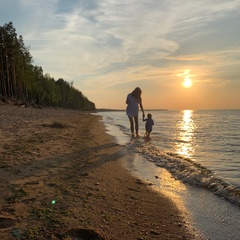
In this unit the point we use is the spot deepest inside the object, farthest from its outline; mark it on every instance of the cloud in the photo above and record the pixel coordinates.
(101, 44)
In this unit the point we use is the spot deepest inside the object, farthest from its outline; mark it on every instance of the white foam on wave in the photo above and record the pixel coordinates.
(186, 170)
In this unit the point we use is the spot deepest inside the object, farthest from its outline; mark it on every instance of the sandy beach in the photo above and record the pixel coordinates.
(62, 177)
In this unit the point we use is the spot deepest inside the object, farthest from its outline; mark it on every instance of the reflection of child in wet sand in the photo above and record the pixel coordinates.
(148, 125)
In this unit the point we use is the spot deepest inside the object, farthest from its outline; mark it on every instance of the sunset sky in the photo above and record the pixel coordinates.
(109, 47)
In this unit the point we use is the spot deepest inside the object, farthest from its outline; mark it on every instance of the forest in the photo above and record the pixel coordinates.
(21, 80)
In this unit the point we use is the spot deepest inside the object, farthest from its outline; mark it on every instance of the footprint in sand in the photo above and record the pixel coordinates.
(84, 234)
(6, 222)
(7, 210)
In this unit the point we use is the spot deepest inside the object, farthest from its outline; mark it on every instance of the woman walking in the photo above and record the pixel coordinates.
(133, 100)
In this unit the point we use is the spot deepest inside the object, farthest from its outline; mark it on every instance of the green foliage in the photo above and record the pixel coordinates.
(19, 79)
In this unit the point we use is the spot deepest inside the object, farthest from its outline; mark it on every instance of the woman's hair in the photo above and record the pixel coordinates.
(137, 93)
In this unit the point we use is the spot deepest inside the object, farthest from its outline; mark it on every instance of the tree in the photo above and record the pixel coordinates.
(21, 80)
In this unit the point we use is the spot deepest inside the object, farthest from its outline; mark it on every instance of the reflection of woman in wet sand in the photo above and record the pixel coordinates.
(133, 100)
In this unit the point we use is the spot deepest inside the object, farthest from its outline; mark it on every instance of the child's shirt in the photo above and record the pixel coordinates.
(149, 124)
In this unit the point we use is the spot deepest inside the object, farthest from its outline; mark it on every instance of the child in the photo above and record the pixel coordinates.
(148, 125)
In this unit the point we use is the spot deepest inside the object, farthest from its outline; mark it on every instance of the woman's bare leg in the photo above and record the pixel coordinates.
(136, 125)
(131, 125)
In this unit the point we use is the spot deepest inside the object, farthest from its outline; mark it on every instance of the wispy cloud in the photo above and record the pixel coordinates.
(104, 43)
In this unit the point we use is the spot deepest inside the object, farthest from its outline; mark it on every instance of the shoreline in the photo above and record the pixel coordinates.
(213, 216)
(62, 176)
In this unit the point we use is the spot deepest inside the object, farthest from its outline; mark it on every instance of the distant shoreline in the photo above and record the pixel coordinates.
(162, 109)
(122, 110)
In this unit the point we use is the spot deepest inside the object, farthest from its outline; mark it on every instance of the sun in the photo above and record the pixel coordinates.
(187, 82)
(186, 75)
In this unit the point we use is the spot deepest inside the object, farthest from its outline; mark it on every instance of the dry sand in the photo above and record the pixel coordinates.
(61, 177)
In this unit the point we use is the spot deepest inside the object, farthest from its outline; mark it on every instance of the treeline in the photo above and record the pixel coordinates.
(21, 80)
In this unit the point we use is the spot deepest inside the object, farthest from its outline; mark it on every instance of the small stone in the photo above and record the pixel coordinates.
(154, 232)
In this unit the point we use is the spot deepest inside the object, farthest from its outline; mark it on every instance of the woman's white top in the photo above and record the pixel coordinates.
(132, 105)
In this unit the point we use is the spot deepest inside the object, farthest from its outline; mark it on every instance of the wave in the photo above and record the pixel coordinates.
(186, 170)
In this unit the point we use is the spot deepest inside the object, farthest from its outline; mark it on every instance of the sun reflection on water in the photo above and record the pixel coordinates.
(185, 145)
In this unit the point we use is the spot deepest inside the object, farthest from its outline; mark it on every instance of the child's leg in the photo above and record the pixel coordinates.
(147, 134)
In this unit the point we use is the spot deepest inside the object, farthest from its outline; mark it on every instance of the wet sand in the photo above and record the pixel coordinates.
(63, 177)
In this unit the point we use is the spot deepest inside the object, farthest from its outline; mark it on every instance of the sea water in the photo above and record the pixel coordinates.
(200, 149)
